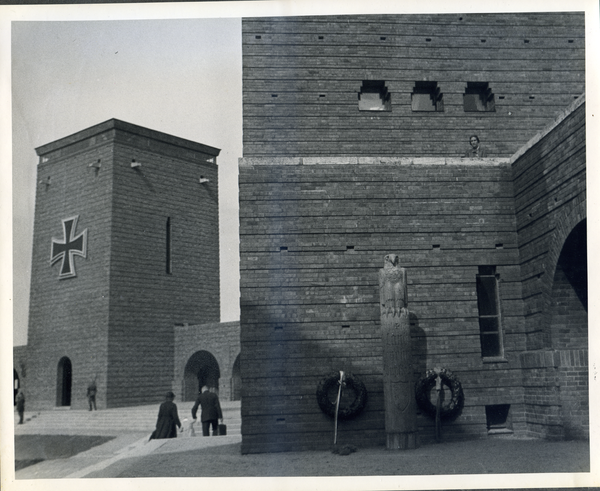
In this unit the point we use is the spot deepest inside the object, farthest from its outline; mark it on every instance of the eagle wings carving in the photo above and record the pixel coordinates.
(392, 286)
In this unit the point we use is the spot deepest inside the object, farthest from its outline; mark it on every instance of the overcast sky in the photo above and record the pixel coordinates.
(182, 77)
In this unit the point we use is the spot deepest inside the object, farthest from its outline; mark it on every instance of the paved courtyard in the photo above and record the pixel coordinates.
(125, 455)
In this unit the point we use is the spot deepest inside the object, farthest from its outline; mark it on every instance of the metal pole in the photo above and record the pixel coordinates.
(438, 407)
(337, 406)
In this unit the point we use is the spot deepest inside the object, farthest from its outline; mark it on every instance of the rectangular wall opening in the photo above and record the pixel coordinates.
(374, 96)
(169, 264)
(498, 419)
(488, 304)
(478, 97)
(426, 96)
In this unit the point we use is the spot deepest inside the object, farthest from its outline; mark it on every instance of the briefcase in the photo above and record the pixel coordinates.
(222, 429)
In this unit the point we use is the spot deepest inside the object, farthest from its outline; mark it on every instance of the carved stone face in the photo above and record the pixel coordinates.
(391, 259)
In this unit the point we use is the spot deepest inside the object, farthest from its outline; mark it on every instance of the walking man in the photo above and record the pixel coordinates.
(21, 405)
(91, 395)
(211, 411)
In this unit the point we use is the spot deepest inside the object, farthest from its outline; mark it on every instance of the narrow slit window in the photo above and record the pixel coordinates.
(478, 97)
(488, 303)
(426, 96)
(374, 96)
(169, 264)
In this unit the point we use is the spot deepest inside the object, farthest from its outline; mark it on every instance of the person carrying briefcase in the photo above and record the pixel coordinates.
(211, 412)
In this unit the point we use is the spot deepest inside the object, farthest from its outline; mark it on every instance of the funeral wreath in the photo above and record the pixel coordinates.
(449, 410)
(330, 385)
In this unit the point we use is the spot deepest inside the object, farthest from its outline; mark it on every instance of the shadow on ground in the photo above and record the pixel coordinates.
(31, 449)
(466, 457)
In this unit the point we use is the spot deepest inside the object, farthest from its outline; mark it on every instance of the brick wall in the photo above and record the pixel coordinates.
(313, 234)
(569, 324)
(220, 339)
(573, 378)
(302, 77)
(318, 213)
(69, 317)
(146, 301)
(114, 320)
(541, 385)
(550, 194)
(550, 200)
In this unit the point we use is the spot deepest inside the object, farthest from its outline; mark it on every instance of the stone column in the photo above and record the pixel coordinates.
(398, 387)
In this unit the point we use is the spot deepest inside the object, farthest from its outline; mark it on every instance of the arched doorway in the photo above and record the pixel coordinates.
(569, 333)
(64, 378)
(236, 380)
(569, 292)
(201, 369)
(16, 385)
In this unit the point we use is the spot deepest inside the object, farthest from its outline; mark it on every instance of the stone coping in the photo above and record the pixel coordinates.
(118, 125)
(326, 160)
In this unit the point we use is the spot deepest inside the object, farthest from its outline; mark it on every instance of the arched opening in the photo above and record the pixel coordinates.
(201, 369)
(569, 332)
(569, 292)
(236, 380)
(16, 386)
(64, 379)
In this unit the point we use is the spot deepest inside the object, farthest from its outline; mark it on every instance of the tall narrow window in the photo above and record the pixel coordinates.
(374, 96)
(169, 266)
(488, 302)
(426, 96)
(478, 97)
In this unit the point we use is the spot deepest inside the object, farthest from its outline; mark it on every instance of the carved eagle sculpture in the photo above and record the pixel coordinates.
(392, 286)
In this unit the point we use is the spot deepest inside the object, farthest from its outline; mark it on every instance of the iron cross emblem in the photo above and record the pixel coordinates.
(68, 248)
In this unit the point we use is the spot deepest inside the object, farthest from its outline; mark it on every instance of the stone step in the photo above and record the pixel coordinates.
(117, 420)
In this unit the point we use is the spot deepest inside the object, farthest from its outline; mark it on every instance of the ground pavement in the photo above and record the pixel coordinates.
(129, 454)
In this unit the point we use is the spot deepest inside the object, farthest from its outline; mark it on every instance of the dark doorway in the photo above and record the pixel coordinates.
(568, 309)
(573, 261)
(201, 369)
(16, 386)
(64, 379)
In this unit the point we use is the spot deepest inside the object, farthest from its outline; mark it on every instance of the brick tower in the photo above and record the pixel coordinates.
(125, 246)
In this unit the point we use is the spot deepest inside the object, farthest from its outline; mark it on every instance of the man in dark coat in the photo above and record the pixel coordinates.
(91, 394)
(168, 419)
(21, 405)
(211, 411)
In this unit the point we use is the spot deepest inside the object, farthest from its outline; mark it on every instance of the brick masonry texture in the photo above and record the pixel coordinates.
(221, 340)
(550, 200)
(115, 319)
(302, 77)
(326, 192)
(312, 308)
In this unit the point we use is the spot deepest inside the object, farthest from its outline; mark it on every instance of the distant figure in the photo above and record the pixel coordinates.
(21, 405)
(211, 411)
(91, 395)
(168, 420)
(475, 151)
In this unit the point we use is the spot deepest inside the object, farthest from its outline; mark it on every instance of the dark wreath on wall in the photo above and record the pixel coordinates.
(330, 383)
(450, 410)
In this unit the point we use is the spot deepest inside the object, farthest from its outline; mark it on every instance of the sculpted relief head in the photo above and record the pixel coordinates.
(390, 261)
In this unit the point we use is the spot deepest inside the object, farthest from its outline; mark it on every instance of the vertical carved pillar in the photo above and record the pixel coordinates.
(398, 387)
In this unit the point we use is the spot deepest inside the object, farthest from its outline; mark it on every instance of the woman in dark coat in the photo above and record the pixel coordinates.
(168, 419)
